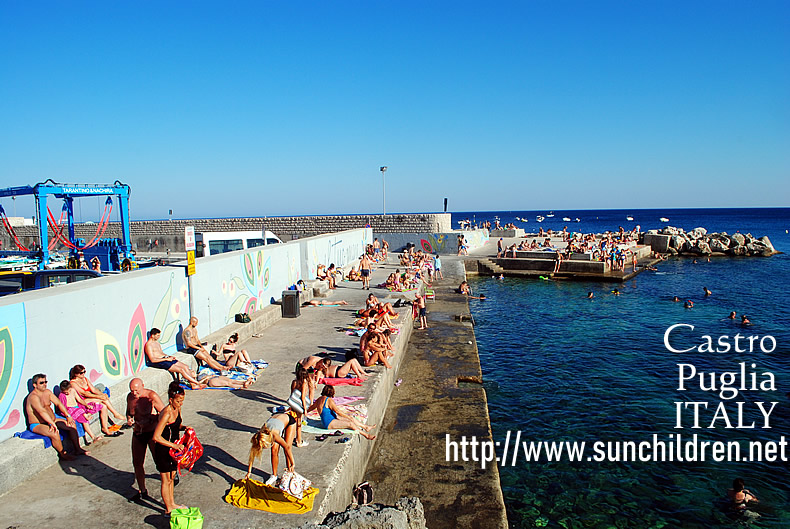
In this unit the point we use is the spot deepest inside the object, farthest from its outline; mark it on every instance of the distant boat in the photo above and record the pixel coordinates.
(629, 218)
(578, 219)
(566, 219)
(540, 219)
(664, 219)
(551, 214)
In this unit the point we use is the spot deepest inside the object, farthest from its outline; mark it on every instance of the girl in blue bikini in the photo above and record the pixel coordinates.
(333, 418)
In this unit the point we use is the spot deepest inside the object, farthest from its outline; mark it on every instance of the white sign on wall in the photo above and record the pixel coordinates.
(189, 238)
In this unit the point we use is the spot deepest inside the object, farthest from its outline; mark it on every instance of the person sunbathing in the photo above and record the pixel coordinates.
(214, 380)
(373, 351)
(333, 418)
(231, 358)
(351, 368)
(324, 303)
(155, 357)
(77, 408)
(42, 421)
(97, 400)
(353, 275)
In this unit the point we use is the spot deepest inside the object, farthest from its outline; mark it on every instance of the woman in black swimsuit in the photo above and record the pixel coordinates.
(166, 433)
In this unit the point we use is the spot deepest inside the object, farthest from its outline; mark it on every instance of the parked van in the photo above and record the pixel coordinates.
(217, 242)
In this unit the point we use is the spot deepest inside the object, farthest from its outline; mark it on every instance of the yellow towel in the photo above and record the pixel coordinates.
(251, 494)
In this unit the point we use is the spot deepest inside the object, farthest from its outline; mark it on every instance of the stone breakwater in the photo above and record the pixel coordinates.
(698, 242)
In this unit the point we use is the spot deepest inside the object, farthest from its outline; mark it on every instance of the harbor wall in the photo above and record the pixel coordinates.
(160, 235)
(103, 323)
(445, 243)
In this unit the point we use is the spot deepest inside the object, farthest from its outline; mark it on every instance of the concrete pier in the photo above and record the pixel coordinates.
(441, 394)
(66, 492)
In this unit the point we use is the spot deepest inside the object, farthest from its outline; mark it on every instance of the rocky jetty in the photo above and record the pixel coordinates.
(699, 242)
(407, 513)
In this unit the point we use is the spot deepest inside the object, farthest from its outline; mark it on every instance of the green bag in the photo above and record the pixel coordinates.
(190, 518)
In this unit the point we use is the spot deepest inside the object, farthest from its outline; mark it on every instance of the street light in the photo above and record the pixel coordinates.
(383, 170)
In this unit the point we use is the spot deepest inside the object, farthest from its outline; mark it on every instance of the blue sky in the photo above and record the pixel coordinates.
(253, 108)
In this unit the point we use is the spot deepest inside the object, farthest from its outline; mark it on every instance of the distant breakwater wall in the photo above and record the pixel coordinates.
(164, 234)
(698, 242)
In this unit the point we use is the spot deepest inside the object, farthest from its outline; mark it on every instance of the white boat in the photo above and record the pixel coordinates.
(540, 219)
(664, 219)
(551, 214)
(566, 219)
(578, 219)
(629, 218)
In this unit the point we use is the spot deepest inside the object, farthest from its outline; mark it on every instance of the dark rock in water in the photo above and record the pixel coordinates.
(701, 248)
(673, 251)
(739, 250)
(407, 513)
(767, 242)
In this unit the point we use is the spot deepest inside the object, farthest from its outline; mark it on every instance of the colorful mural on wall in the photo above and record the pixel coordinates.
(112, 316)
(13, 349)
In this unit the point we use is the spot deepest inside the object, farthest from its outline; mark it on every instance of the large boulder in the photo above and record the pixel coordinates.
(737, 239)
(698, 232)
(718, 245)
(701, 248)
(767, 242)
(670, 230)
(739, 250)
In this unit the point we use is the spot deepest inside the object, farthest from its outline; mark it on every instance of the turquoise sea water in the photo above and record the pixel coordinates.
(561, 367)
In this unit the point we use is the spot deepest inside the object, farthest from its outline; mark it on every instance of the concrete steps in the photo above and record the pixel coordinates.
(491, 266)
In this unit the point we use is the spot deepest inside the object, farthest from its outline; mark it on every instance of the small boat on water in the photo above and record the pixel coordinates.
(551, 214)
(664, 219)
(629, 217)
(540, 218)
(578, 219)
(566, 219)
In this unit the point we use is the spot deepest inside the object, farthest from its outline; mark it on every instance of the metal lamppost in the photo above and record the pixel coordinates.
(383, 170)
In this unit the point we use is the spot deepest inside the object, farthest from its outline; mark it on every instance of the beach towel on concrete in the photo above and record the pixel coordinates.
(252, 494)
(341, 381)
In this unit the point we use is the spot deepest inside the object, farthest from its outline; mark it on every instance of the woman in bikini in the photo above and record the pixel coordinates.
(95, 400)
(165, 436)
(230, 357)
(351, 365)
(333, 418)
(275, 433)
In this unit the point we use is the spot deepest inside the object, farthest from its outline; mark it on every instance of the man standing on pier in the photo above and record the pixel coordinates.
(142, 413)
(364, 269)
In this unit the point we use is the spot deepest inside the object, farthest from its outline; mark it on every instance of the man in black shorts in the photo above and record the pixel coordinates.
(142, 413)
(195, 347)
(155, 357)
(364, 270)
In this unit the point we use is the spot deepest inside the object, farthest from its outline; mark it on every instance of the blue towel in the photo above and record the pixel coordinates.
(27, 434)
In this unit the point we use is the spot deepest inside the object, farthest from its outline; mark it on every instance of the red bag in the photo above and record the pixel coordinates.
(191, 453)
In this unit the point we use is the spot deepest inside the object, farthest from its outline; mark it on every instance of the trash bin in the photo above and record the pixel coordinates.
(290, 303)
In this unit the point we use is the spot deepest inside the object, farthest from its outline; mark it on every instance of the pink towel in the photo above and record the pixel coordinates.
(341, 381)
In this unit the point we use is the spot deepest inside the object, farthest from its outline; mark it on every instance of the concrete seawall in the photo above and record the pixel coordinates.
(170, 233)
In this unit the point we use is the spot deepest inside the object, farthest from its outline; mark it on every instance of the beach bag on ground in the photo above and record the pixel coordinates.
(242, 317)
(191, 453)
(189, 518)
(294, 484)
(363, 493)
(295, 401)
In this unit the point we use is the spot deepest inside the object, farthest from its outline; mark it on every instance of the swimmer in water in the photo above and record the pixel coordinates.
(739, 495)
(745, 320)
(616, 292)
(732, 315)
(689, 304)
(501, 276)
(707, 292)
(590, 295)
(675, 299)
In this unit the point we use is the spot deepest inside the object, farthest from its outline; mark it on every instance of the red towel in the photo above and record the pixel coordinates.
(341, 381)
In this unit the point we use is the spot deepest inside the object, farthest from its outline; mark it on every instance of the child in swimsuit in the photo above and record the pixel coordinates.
(79, 410)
